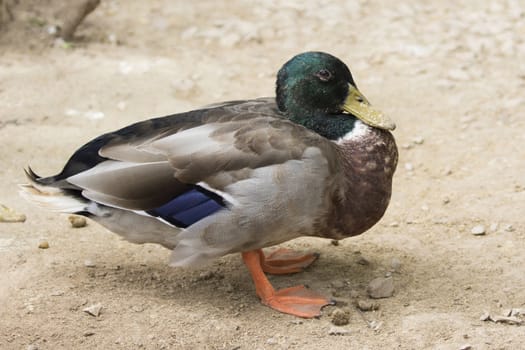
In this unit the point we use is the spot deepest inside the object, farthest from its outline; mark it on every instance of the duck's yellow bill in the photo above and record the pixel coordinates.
(358, 105)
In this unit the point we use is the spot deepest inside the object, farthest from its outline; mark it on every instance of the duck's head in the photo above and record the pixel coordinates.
(317, 90)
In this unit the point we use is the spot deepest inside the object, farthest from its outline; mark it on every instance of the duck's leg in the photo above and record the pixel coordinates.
(297, 301)
(284, 261)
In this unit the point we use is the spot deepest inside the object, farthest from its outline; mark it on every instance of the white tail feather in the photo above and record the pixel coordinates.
(52, 198)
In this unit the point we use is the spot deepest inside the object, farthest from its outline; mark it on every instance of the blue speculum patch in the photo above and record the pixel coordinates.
(189, 207)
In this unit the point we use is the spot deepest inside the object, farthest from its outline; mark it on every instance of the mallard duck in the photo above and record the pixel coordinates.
(316, 160)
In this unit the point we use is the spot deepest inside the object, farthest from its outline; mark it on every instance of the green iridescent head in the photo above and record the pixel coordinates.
(317, 90)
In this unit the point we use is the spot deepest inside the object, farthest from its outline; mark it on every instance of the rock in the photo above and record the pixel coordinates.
(381, 287)
(509, 228)
(375, 325)
(88, 333)
(94, 115)
(77, 221)
(465, 347)
(71, 112)
(507, 319)
(43, 244)
(478, 230)
(9, 215)
(409, 166)
(493, 227)
(89, 263)
(447, 171)
(418, 140)
(363, 261)
(341, 317)
(338, 331)
(367, 305)
(93, 310)
(511, 320)
(32, 347)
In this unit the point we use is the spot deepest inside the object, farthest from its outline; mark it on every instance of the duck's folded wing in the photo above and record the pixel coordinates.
(147, 173)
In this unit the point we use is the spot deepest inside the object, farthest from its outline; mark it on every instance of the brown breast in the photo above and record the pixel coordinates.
(360, 191)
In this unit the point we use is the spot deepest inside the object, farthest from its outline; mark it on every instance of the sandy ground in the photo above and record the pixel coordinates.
(451, 74)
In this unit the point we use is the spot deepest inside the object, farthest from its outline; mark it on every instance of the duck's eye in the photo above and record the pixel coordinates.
(324, 75)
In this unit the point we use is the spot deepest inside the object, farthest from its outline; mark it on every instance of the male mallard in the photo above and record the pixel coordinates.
(317, 160)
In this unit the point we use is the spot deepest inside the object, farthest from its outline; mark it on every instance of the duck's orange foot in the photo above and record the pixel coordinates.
(297, 301)
(284, 261)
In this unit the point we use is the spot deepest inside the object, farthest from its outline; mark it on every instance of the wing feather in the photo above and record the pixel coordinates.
(147, 164)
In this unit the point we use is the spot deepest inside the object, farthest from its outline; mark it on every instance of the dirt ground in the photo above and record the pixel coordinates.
(452, 76)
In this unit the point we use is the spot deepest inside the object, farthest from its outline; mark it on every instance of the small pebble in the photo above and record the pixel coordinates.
(43, 245)
(478, 230)
(418, 140)
(494, 227)
(509, 228)
(375, 325)
(88, 333)
(89, 263)
(409, 166)
(338, 331)
(465, 347)
(9, 215)
(93, 310)
(367, 305)
(447, 171)
(381, 287)
(363, 261)
(485, 316)
(507, 319)
(77, 221)
(94, 115)
(340, 317)
(445, 200)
